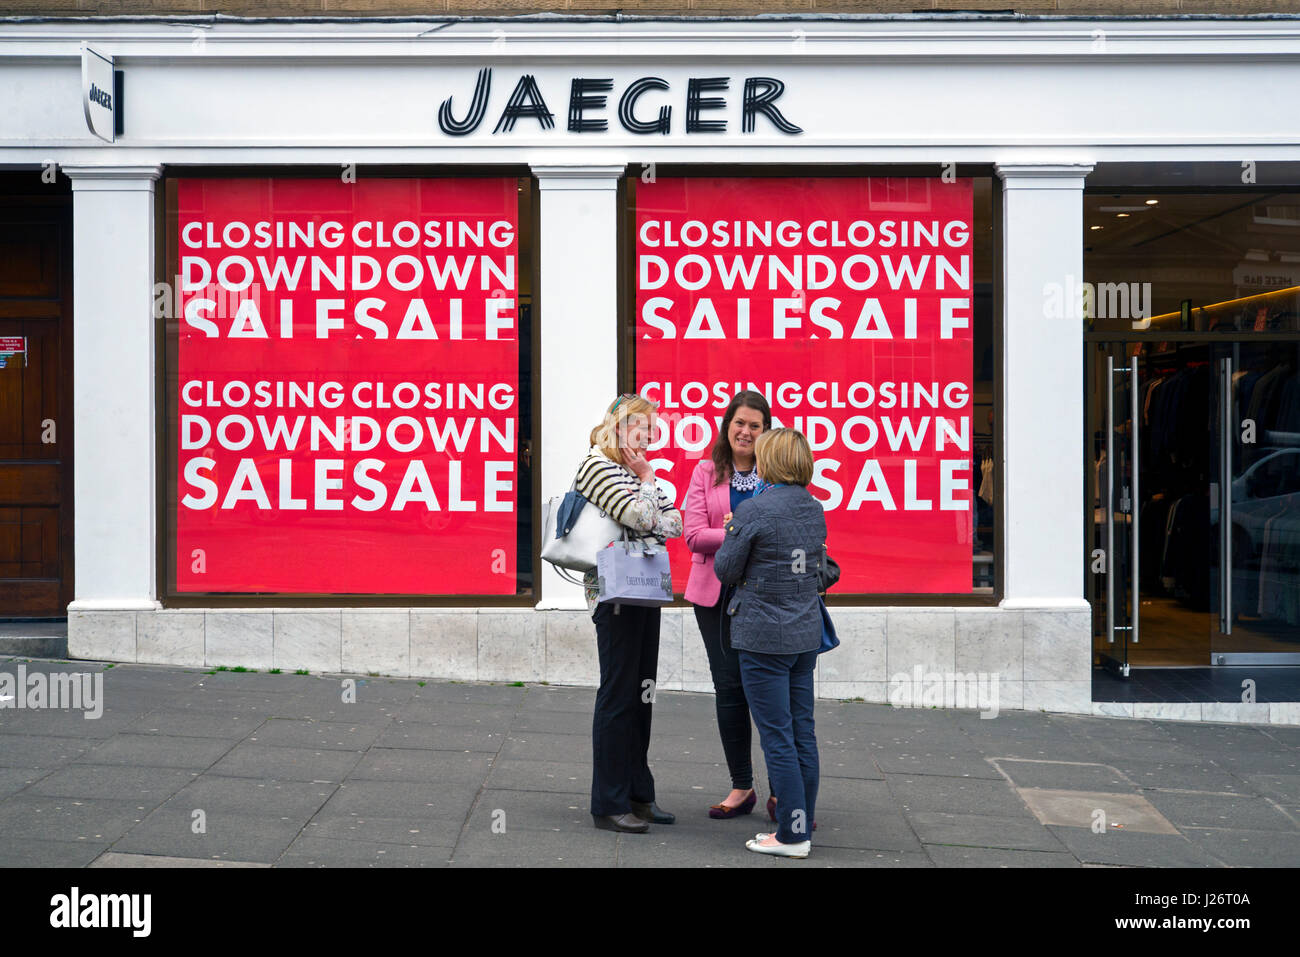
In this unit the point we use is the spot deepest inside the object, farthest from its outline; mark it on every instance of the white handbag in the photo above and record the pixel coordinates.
(574, 531)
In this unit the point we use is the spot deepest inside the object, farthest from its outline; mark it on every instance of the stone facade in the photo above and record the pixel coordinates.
(507, 8)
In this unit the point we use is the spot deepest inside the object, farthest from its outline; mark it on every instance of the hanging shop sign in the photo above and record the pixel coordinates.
(347, 401)
(699, 107)
(847, 302)
(98, 99)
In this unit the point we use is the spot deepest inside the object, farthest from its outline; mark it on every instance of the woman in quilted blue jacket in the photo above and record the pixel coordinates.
(774, 551)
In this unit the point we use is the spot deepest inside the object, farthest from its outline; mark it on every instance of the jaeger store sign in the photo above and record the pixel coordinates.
(589, 103)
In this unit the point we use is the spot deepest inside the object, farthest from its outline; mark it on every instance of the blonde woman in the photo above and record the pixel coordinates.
(773, 553)
(616, 478)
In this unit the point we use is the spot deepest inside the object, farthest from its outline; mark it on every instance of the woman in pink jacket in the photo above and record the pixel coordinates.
(718, 484)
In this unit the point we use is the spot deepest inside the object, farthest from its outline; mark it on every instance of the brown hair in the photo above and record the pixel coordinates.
(783, 455)
(749, 399)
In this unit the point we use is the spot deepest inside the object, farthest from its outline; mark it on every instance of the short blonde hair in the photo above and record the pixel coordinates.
(606, 435)
(784, 456)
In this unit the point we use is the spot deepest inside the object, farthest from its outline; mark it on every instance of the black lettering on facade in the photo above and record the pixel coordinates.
(695, 102)
(477, 107)
(526, 100)
(763, 101)
(627, 102)
(581, 98)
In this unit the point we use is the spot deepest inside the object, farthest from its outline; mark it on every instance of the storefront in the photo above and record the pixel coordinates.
(347, 297)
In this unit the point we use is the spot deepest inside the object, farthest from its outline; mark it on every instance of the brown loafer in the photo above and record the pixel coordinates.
(625, 823)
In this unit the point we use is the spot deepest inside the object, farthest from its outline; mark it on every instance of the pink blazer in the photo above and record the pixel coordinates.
(702, 516)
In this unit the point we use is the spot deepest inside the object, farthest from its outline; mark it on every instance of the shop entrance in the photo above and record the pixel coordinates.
(1194, 499)
(35, 398)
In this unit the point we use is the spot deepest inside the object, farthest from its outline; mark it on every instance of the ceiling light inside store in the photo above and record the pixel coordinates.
(1123, 215)
(1152, 202)
(1096, 227)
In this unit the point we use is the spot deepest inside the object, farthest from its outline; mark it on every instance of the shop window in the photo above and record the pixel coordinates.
(861, 307)
(347, 386)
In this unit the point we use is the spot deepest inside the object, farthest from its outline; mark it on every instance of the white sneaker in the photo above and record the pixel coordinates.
(800, 849)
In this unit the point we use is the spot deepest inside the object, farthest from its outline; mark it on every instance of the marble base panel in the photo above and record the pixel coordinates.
(972, 658)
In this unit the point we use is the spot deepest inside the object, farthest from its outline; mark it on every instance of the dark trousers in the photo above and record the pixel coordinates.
(780, 692)
(628, 645)
(728, 692)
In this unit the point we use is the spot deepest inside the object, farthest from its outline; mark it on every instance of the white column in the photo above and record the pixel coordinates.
(1042, 385)
(113, 387)
(578, 299)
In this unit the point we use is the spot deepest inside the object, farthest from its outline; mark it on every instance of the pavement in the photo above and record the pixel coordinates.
(187, 767)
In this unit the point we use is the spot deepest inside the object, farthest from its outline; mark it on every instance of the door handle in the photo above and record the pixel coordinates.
(1133, 521)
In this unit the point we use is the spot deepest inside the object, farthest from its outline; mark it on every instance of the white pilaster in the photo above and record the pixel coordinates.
(578, 299)
(1042, 385)
(113, 386)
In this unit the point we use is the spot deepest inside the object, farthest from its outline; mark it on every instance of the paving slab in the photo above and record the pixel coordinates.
(852, 794)
(954, 795)
(844, 763)
(1281, 787)
(1187, 809)
(461, 693)
(543, 746)
(577, 722)
(159, 751)
(114, 782)
(311, 851)
(34, 751)
(970, 764)
(1186, 777)
(400, 799)
(417, 735)
(1133, 849)
(487, 717)
(956, 855)
(30, 817)
(521, 848)
(68, 723)
(304, 733)
(178, 723)
(250, 759)
(1065, 774)
(141, 861)
(49, 853)
(540, 811)
(228, 836)
(1113, 811)
(377, 829)
(519, 775)
(415, 765)
(1014, 833)
(482, 774)
(1239, 847)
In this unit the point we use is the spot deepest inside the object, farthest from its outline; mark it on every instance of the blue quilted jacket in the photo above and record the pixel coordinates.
(773, 552)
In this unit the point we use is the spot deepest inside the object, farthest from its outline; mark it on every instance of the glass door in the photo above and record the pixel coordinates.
(1150, 551)
(1255, 509)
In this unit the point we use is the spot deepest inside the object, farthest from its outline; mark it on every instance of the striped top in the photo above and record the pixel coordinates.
(647, 512)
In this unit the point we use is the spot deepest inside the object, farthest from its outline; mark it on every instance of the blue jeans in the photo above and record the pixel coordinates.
(780, 693)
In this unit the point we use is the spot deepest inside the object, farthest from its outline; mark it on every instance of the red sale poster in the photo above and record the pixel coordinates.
(348, 406)
(847, 302)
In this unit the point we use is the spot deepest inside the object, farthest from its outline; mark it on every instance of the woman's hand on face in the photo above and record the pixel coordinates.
(638, 464)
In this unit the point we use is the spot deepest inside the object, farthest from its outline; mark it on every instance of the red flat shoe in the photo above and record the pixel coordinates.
(720, 812)
(771, 810)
